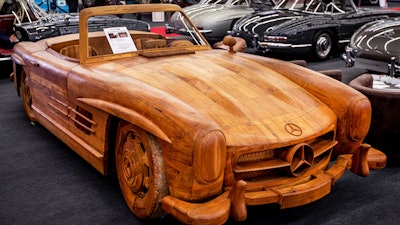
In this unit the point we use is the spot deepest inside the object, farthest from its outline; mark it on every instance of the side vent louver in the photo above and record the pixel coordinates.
(83, 120)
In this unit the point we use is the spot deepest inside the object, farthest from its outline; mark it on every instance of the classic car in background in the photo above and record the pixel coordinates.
(214, 18)
(34, 24)
(195, 132)
(376, 47)
(314, 27)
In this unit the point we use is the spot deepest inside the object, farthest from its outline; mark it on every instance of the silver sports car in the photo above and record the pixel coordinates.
(215, 17)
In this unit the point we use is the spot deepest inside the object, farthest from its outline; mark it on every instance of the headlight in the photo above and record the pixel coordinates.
(359, 119)
(209, 157)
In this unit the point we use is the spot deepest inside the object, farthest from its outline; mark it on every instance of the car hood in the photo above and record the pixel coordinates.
(278, 22)
(207, 13)
(258, 101)
(378, 40)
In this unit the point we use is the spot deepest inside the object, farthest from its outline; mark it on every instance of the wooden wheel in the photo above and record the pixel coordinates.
(141, 172)
(27, 97)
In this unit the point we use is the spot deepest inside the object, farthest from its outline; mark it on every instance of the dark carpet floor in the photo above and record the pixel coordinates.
(43, 182)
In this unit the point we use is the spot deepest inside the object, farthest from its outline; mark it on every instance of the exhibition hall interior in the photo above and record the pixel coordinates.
(149, 112)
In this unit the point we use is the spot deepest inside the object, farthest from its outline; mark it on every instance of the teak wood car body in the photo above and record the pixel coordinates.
(195, 132)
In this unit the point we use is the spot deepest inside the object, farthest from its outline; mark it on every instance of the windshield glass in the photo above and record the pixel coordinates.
(213, 1)
(303, 5)
(227, 2)
(317, 6)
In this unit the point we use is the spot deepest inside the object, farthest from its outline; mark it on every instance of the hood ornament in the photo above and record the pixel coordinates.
(293, 129)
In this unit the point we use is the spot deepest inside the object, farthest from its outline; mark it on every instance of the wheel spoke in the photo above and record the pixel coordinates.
(146, 182)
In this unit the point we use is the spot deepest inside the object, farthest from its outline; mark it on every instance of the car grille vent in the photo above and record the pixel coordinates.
(83, 120)
(283, 163)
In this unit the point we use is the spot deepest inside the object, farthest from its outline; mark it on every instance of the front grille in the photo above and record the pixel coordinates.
(286, 162)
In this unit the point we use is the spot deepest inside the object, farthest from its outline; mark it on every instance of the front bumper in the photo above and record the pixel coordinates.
(235, 200)
(274, 45)
(371, 62)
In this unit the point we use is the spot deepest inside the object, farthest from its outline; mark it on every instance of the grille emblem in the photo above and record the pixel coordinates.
(293, 129)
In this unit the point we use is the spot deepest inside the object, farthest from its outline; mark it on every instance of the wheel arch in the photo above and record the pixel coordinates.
(335, 37)
(128, 115)
(120, 113)
(18, 64)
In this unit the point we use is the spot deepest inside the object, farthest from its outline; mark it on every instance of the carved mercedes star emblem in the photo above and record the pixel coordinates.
(293, 129)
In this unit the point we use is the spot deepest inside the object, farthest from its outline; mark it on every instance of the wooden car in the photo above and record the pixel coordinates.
(195, 132)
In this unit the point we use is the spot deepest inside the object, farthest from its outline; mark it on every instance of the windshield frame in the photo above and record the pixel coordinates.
(84, 35)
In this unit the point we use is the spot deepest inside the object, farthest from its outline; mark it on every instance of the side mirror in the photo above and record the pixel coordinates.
(233, 44)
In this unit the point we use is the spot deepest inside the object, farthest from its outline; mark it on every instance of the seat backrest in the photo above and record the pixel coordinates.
(148, 43)
(73, 51)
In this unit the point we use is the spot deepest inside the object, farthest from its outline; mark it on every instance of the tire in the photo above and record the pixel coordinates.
(141, 171)
(27, 97)
(322, 45)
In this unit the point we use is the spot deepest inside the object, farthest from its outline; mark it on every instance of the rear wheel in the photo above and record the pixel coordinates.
(141, 171)
(322, 45)
(26, 96)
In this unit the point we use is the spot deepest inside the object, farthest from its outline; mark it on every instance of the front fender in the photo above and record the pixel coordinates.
(128, 115)
(352, 108)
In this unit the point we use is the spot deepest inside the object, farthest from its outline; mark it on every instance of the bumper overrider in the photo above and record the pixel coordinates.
(234, 200)
(349, 56)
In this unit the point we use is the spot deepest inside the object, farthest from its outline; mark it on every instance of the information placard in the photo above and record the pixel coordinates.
(120, 40)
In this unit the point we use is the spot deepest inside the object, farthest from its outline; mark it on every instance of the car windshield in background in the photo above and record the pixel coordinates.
(298, 4)
(185, 31)
(213, 1)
